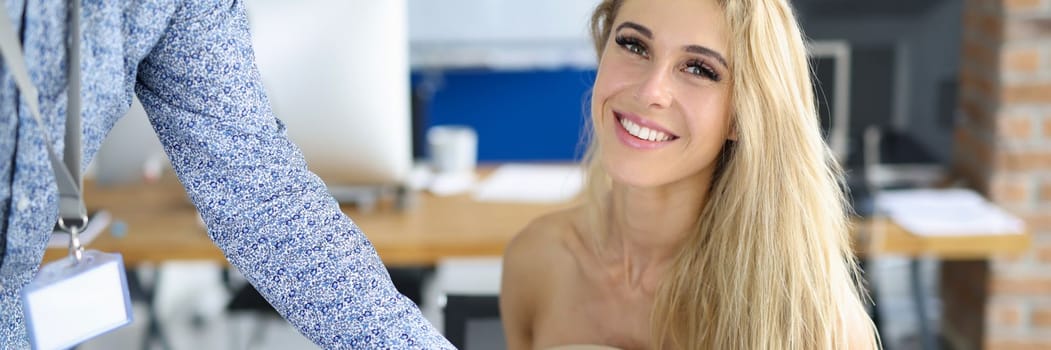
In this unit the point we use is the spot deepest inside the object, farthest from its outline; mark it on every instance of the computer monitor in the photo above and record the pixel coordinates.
(131, 152)
(337, 74)
(830, 69)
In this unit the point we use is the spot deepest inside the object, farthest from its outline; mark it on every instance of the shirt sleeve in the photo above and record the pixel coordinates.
(271, 216)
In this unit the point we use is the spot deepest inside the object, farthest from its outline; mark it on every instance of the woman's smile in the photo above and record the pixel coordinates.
(636, 132)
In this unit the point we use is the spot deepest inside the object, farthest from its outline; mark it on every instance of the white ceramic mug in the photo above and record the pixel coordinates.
(453, 149)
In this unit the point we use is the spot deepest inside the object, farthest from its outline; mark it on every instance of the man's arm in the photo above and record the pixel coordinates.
(274, 219)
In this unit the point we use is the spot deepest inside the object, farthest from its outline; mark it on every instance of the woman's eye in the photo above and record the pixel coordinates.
(632, 45)
(702, 70)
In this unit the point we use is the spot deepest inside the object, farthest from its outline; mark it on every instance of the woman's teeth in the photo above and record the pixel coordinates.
(643, 132)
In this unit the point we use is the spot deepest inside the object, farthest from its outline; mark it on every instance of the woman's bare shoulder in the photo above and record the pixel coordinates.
(532, 264)
(545, 237)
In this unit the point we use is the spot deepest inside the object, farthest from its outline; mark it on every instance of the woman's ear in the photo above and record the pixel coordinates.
(731, 133)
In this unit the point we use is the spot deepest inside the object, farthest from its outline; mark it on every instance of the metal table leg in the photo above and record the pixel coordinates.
(927, 338)
(154, 332)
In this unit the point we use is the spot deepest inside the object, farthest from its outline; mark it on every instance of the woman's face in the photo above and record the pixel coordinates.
(661, 100)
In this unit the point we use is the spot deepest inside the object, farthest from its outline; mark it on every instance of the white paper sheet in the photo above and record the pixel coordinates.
(950, 212)
(451, 184)
(526, 183)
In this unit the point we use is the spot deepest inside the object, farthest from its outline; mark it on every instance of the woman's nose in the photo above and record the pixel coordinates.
(655, 90)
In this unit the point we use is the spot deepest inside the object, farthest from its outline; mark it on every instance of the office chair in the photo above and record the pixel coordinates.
(246, 300)
(461, 299)
(893, 160)
(461, 310)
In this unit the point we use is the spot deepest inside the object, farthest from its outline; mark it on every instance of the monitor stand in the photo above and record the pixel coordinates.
(365, 197)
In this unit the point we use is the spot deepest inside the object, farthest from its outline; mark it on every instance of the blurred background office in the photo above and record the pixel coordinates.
(912, 94)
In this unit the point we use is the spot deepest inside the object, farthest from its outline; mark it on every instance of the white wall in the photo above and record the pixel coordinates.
(498, 20)
(500, 33)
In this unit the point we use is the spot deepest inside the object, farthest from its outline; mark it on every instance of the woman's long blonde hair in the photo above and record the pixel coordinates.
(771, 265)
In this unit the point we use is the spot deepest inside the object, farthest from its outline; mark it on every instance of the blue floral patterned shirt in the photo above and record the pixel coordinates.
(192, 66)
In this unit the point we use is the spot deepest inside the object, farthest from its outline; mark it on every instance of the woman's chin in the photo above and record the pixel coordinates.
(635, 176)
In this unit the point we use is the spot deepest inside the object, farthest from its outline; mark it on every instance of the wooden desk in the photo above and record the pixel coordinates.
(896, 240)
(162, 225)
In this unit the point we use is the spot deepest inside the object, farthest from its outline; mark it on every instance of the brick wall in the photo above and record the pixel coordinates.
(1003, 147)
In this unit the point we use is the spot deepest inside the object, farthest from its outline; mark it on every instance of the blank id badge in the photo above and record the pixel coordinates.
(70, 302)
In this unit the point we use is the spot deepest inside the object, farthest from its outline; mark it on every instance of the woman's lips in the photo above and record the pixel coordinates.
(639, 133)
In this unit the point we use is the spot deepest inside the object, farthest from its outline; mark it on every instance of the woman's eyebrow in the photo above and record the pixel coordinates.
(697, 49)
(701, 50)
(646, 32)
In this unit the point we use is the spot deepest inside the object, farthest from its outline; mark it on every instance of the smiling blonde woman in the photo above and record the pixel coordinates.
(715, 217)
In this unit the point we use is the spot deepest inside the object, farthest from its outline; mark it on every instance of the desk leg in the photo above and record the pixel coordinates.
(866, 266)
(927, 338)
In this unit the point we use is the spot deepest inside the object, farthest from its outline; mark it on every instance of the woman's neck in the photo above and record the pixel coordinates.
(649, 225)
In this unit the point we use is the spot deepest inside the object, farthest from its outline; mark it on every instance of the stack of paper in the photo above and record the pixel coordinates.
(949, 212)
(531, 184)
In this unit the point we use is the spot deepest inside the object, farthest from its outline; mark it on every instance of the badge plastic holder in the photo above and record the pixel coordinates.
(76, 298)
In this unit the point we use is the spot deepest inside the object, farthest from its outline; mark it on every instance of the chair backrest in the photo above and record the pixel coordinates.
(473, 322)
(895, 159)
(462, 300)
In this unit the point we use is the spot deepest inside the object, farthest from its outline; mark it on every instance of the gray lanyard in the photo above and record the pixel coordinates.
(72, 215)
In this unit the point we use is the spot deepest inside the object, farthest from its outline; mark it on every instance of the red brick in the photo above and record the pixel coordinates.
(999, 343)
(1024, 161)
(1021, 6)
(968, 83)
(1041, 317)
(979, 76)
(1013, 260)
(1043, 253)
(1027, 93)
(977, 52)
(1045, 191)
(1020, 60)
(1015, 126)
(968, 170)
(965, 285)
(1037, 222)
(1022, 28)
(1008, 191)
(1005, 314)
(1022, 286)
(970, 17)
(976, 113)
(991, 26)
(989, 90)
(973, 146)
